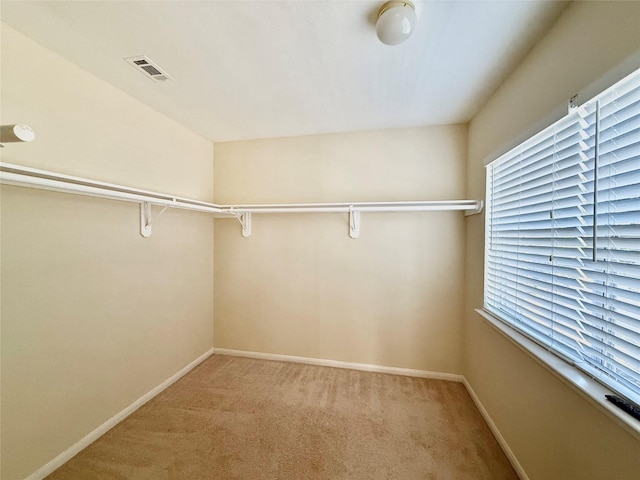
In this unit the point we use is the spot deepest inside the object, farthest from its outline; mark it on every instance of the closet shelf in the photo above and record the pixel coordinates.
(21, 176)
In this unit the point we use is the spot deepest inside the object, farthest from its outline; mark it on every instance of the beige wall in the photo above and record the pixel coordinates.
(93, 314)
(301, 286)
(555, 433)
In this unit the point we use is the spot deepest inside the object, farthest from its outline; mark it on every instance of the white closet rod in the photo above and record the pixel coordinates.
(419, 206)
(45, 180)
(17, 175)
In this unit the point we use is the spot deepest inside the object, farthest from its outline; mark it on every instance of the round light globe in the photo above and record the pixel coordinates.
(395, 22)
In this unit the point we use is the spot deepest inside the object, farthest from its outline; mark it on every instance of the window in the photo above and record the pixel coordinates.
(562, 261)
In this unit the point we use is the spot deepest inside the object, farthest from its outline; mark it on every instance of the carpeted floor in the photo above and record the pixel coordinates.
(244, 419)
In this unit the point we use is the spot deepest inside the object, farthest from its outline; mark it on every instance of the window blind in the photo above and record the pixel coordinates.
(562, 261)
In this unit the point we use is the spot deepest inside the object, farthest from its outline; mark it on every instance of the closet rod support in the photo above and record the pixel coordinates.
(245, 220)
(354, 223)
(146, 220)
(475, 211)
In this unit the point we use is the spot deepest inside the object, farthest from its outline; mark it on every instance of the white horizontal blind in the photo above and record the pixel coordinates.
(540, 276)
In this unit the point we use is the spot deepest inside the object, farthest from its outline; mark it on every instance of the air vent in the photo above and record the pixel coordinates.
(149, 69)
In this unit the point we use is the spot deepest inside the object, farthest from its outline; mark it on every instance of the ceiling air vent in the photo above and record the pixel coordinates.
(149, 69)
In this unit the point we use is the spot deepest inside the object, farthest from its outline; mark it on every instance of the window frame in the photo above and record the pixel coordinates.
(559, 364)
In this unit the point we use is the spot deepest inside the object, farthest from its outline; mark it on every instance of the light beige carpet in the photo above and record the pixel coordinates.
(239, 418)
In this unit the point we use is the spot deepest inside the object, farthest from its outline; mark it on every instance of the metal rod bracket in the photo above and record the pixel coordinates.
(245, 221)
(146, 220)
(354, 223)
(475, 211)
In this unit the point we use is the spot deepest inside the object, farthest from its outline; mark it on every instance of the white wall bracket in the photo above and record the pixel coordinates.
(475, 211)
(245, 221)
(354, 223)
(146, 220)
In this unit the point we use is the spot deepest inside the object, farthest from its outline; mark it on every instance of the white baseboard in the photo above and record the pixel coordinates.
(496, 433)
(407, 372)
(113, 421)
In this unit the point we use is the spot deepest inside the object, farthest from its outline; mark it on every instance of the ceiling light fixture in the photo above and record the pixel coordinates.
(395, 22)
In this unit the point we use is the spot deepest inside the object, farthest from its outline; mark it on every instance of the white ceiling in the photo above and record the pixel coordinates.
(256, 69)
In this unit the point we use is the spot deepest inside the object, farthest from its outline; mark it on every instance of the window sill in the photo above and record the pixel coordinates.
(590, 389)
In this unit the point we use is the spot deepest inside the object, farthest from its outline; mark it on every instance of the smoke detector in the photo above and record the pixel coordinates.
(149, 69)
